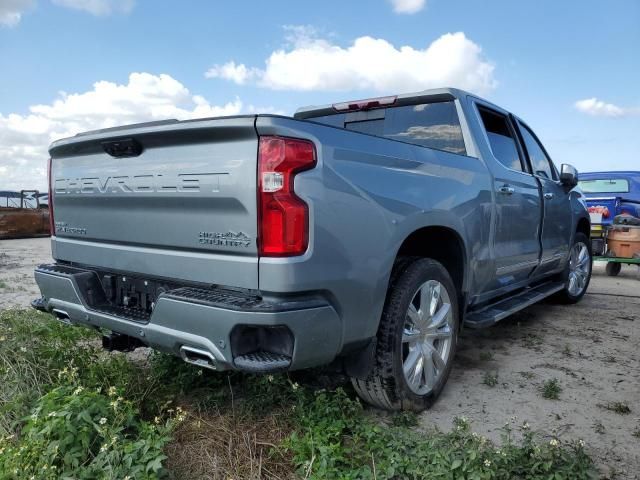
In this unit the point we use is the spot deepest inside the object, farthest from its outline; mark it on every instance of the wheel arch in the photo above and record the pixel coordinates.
(441, 243)
(584, 226)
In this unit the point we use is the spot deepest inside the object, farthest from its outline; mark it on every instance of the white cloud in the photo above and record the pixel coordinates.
(98, 7)
(24, 138)
(408, 6)
(230, 71)
(11, 11)
(599, 108)
(313, 63)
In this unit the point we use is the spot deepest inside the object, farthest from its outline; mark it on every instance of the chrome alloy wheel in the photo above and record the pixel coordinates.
(579, 269)
(427, 337)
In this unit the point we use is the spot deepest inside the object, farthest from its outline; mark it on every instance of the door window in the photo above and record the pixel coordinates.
(540, 162)
(501, 139)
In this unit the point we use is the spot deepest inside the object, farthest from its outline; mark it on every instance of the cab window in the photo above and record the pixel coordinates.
(540, 162)
(501, 139)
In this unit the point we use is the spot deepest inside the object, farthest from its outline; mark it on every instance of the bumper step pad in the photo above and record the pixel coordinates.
(260, 362)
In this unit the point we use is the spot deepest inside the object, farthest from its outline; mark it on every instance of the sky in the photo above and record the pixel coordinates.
(570, 68)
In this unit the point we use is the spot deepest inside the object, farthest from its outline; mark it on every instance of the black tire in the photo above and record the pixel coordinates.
(613, 269)
(565, 295)
(386, 386)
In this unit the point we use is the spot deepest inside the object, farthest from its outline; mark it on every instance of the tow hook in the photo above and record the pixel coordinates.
(120, 342)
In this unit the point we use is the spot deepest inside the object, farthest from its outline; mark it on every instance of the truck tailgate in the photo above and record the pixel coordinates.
(603, 208)
(169, 199)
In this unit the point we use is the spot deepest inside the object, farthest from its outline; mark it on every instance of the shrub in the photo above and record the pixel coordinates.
(81, 433)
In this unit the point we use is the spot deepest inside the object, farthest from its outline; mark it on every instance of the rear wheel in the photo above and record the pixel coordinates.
(578, 270)
(417, 339)
(613, 269)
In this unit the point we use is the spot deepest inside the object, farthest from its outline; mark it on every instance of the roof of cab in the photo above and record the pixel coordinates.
(444, 93)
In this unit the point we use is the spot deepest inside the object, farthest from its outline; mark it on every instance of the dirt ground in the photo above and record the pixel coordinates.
(592, 349)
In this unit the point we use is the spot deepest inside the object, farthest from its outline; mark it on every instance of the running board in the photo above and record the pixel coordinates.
(495, 312)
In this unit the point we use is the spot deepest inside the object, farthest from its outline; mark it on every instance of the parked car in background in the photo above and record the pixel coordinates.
(613, 193)
(608, 195)
(363, 234)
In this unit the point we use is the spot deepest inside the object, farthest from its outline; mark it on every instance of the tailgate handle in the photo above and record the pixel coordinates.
(126, 147)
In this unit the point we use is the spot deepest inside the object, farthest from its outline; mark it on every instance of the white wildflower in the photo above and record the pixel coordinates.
(487, 463)
(554, 443)
(102, 421)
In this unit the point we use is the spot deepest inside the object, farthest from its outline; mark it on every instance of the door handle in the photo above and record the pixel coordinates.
(506, 190)
(548, 196)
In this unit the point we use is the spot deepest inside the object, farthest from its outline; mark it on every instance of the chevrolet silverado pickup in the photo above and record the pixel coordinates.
(362, 235)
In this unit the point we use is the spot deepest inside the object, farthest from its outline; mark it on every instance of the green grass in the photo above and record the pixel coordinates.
(70, 410)
(551, 389)
(3, 284)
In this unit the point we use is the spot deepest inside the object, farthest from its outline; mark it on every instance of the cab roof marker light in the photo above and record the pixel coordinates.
(366, 104)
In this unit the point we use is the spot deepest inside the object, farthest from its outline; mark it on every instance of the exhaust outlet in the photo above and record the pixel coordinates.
(61, 315)
(196, 356)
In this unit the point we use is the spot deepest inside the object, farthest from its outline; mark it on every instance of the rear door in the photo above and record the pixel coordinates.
(516, 245)
(557, 225)
(174, 200)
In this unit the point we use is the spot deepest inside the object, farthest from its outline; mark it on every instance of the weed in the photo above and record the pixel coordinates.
(636, 432)
(598, 427)
(333, 439)
(405, 419)
(490, 379)
(3, 284)
(486, 356)
(527, 375)
(532, 341)
(566, 351)
(621, 408)
(74, 432)
(65, 403)
(551, 389)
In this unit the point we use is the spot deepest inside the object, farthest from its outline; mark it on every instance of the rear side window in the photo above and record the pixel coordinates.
(433, 125)
(540, 163)
(501, 139)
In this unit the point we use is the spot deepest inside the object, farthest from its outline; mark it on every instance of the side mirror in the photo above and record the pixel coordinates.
(568, 175)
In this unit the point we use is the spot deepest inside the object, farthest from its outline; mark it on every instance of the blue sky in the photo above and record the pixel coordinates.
(536, 58)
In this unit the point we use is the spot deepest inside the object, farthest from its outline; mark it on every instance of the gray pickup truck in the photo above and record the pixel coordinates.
(362, 234)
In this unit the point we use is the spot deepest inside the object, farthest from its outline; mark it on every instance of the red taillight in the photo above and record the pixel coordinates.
(51, 222)
(283, 222)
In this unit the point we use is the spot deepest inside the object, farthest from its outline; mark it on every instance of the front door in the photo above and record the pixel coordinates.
(516, 244)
